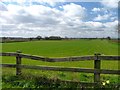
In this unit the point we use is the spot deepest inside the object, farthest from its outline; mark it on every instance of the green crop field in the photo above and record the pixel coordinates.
(62, 48)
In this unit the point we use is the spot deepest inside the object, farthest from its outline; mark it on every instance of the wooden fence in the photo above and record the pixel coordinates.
(97, 64)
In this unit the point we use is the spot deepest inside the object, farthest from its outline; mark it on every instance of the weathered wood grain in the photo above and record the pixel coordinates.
(101, 71)
(74, 58)
(18, 63)
(97, 65)
(71, 59)
(8, 65)
(109, 57)
(33, 57)
(8, 54)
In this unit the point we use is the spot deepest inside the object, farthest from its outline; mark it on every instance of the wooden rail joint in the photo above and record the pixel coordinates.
(97, 56)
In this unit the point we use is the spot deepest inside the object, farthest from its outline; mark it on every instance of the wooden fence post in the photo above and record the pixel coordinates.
(18, 63)
(97, 64)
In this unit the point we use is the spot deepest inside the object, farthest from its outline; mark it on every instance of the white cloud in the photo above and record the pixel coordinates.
(102, 17)
(110, 3)
(29, 2)
(30, 21)
(73, 10)
(50, 2)
(38, 19)
(94, 24)
(111, 25)
(96, 9)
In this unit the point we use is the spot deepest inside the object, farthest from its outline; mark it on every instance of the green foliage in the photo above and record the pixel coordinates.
(44, 82)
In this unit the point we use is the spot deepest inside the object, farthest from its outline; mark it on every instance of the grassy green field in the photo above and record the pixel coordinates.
(62, 48)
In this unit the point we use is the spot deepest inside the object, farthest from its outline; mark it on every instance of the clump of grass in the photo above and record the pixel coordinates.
(35, 82)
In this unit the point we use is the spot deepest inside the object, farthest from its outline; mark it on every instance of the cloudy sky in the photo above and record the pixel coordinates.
(30, 18)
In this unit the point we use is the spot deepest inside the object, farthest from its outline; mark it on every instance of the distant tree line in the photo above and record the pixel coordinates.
(19, 39)
(47, 38)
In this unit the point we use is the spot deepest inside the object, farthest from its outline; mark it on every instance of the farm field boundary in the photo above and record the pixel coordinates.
(97, 64)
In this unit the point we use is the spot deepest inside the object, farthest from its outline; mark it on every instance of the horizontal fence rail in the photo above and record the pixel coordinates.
(54, 68)
(74, 58)
(96, 71)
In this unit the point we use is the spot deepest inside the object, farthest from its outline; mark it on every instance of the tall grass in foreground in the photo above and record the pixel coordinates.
(51, 79)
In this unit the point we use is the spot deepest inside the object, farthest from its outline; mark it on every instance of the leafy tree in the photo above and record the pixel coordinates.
(109, 38)
(39, 37)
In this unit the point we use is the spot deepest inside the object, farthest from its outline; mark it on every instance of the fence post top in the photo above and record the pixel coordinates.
(18, 51)
(97, 54)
